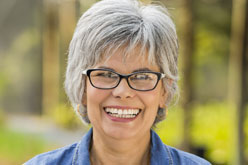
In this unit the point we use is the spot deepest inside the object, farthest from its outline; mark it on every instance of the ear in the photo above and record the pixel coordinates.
(164, 95)
(163, 98)
(84, 99)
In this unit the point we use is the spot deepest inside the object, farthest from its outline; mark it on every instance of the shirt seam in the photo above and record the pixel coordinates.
(75, 156)
(169, 155)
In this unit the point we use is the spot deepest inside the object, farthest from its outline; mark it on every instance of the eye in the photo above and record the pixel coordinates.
(142, 76)
(105, 74)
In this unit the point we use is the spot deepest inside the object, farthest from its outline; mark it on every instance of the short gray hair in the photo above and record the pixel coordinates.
(112, 24)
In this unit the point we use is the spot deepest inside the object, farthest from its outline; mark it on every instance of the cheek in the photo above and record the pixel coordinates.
(151, 99)
(95, 98)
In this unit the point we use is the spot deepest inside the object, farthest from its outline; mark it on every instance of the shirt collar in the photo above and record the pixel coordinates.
(82, 154)
(160, 154)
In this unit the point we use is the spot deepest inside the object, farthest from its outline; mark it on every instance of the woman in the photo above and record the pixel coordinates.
(121, 76)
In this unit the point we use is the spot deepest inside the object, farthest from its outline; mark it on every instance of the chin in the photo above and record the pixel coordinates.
(118, 133)
(124, 131)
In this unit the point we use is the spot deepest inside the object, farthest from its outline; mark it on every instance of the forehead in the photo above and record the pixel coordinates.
(127, 60)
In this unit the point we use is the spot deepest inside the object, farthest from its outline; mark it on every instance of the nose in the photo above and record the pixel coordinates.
(123, 90)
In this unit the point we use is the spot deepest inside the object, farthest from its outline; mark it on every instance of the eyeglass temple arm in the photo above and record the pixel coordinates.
(163, 75)
(84, 72)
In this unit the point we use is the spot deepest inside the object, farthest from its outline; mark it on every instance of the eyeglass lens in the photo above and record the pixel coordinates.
(107, 79)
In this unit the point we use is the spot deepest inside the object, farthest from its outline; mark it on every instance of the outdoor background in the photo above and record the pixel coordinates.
(210, 119)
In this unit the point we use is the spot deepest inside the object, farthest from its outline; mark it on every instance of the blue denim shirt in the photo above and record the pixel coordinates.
(78, 154)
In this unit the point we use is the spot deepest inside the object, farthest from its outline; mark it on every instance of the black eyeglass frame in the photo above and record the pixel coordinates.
(160, 76)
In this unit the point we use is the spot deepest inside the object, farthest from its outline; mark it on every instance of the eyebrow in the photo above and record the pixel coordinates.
(136, 70)
(142, 69)
(104, 67)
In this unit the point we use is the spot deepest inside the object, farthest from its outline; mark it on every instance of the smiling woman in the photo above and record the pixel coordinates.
(121, 76)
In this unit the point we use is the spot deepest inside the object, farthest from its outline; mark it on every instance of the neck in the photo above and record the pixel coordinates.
(107, 150)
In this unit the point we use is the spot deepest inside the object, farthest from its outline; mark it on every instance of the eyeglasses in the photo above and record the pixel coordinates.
(108, 79)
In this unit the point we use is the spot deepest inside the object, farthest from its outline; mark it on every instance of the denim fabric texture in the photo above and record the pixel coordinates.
(78, 154)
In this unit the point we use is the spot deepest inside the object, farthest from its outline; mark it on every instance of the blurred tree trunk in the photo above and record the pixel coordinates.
(67, 21)
(78, 9)
(50, 56)
(187, 40)
(238, 75)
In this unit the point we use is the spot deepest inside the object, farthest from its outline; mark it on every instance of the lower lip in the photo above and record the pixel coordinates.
(117, 119)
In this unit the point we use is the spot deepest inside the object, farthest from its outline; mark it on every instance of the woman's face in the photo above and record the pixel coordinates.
(123, 98)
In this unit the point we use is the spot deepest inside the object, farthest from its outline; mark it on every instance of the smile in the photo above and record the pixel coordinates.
(122, 113)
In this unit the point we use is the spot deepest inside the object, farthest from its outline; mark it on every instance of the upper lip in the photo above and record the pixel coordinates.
(121, 107)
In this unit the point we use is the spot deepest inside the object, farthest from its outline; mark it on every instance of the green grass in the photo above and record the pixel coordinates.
(16, 148)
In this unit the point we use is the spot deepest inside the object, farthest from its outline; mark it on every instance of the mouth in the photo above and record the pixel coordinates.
(122, 113)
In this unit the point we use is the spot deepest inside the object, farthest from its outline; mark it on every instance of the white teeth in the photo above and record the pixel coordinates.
(126, 113)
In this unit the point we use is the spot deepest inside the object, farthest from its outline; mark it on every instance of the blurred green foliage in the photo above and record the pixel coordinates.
(20, 73)
(2, 117)
(211, 63)
(17, 147)
(212, 129)
(65, 117)
(3, 82)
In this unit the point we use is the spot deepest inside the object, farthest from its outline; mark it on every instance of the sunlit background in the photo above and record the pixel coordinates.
(210, 118)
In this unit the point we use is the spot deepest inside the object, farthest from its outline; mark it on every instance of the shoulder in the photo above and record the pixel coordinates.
(59, 156)
(163, 154)
(77, 153)
(185, 158)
